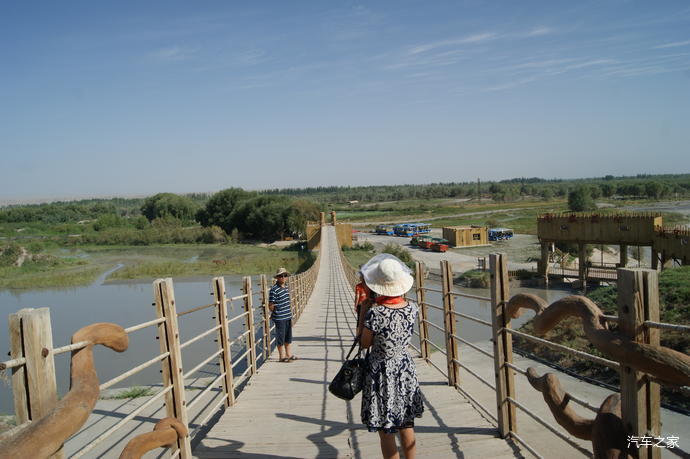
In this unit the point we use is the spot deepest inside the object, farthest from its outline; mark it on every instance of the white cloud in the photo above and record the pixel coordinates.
(673, 45)
(173, 53)
(470, 39)
(538, 31)
(510, 84)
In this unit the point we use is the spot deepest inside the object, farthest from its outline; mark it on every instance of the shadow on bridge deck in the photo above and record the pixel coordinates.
(287, 411)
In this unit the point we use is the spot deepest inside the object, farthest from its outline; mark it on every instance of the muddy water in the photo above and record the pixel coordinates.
(125, 304)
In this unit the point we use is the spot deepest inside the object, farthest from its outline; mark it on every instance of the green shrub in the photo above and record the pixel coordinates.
(401, 252)
(475, 278)
(133, 392)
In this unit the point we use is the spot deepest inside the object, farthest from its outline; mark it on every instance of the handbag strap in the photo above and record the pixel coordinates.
(352, 348)
(359, 351)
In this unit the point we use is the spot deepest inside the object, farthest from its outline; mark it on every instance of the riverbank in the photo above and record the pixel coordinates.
(81, 266)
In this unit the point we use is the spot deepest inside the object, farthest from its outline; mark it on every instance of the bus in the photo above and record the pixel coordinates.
(500, 234)
(384, 229)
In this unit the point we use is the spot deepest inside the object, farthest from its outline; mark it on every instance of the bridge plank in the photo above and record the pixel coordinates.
(287, 411)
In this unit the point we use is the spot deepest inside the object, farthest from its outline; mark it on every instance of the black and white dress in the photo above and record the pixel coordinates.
(391, 397)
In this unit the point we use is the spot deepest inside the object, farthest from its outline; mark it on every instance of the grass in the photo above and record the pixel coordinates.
(54, 278)
(420, 210)
(77, 267)
(357, 257)
(132, 392)
(234, 259)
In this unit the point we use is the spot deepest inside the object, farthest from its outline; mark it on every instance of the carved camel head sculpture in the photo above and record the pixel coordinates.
(166, 432)
(671, 367)
(45, 436)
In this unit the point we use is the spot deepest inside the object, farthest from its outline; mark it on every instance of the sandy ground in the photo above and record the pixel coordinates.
(523, 251)
(519, 249)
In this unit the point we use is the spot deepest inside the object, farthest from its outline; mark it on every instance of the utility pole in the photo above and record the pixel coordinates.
(479, 191)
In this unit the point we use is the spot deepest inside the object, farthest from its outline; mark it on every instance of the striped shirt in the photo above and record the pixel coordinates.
(280, 297)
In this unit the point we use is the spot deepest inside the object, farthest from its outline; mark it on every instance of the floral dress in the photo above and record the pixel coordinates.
(391, 397)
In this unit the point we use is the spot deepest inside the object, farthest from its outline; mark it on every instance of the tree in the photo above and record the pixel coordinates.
(608, 189)
(580, 199)
(653, 190)
(259, 216)
(547, 194)
(165, 205)
(219, 209)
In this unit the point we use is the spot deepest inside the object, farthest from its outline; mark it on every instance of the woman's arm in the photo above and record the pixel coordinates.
(367, 338)
(363, 309)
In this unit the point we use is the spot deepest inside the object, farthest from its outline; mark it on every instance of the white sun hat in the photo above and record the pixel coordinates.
(386, 275)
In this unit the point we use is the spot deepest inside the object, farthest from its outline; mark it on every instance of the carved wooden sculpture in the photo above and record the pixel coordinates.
(665, 364)
(45, 436)
(606, 430)
(165, 433)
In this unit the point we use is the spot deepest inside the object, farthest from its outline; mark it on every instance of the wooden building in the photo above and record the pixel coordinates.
(466, 236)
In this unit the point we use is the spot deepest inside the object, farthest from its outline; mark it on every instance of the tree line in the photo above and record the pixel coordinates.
(231, 213)
(640, 186)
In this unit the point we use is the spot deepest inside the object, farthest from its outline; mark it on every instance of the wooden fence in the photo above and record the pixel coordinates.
(33, 367)
(638, 319)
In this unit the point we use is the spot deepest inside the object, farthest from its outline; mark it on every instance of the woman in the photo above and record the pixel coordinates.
(362, 295)
(391, 398)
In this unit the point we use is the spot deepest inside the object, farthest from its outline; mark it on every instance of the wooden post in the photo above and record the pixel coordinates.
(623, 255)
(251, 337)
(503, 344)
(223, 337)
(582, 265)
(638, 300)
(449, 324)
(173, 374)
(33, 384)
(423, 316)
(267, 318)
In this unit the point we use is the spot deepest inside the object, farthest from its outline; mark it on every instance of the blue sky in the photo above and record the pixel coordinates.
(133, 98)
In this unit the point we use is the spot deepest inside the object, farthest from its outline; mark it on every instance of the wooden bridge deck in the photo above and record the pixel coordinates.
(287, 411)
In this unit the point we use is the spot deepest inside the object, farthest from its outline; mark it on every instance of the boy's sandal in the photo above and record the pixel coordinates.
(292, 357)
(285, 360)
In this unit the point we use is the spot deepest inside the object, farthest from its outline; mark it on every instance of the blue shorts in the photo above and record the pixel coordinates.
(283, 331)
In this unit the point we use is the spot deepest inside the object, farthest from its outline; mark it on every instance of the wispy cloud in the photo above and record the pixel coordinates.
(510, 84)
(470, 39)
(443, 59)
(675, 44)
(538, 31)
(173, 53)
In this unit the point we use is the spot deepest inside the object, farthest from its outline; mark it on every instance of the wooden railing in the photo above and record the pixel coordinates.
(639, 390)
(635, 412)
(33, 368)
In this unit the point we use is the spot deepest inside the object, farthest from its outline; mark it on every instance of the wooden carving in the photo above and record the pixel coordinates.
(606, 430)
(665, 364)
(166, 433)
(45, 436)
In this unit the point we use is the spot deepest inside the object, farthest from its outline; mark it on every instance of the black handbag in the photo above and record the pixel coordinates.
(350, 379)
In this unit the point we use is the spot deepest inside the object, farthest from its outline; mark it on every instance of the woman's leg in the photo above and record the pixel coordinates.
(388, 447)
(408, 442)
